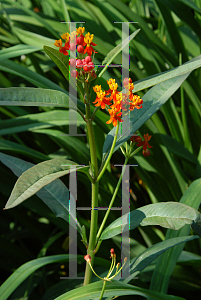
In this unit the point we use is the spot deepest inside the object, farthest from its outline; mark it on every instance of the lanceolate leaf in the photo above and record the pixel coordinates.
(144, 259)
(114, 288)
(27, 269)
(17, 50)
(152, 101)
(171, 215)
(158, 78)
(59, 59)
(38, 121)
(33, 97)
(35, 78)
(167, 261)
(112, 54)
(55, 194)
(32, 180)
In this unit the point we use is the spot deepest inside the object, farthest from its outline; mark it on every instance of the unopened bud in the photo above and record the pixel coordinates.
(125, 259)
(87, 258)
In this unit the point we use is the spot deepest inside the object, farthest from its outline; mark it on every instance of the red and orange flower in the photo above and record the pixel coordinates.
(145, 143)
(120, 101)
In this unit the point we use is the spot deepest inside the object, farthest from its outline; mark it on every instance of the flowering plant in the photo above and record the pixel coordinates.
(120, 106)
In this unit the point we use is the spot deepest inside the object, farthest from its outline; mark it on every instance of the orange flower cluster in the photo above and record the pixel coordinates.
(117, 101)
(145, 143)
(83, 64)
(78, 38)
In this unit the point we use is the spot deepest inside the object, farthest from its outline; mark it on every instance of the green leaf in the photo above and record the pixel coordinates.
(18, 148)
(36, 79)
(166, 214)
(55, 194)
(38, 121)
(175, 147)
(167, 261)
(33, 97)
(145, 258)
(114, 288)
(59, 59)
(158, 78)
(112, 54)
(27, 269)
(32, 39)
(73, 146)
(17, 50)
(35, 15)
(32, 180)
(152, 101)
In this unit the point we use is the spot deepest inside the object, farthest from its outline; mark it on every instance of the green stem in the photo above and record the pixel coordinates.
(111, 202)
(110, 154)
(95, 186)
(95, 111)
(103, 290)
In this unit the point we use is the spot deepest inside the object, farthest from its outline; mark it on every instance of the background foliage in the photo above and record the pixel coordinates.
(170, 35)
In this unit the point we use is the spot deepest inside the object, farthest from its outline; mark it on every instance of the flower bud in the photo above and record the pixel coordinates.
(79, 63)
(72, 47)
(85, 68)
(80, 40)
(93, 74)
(87, 258)
(80, 49)
(112, 251)
(74, 73)
(136, 139)
(88, 59)
(146, 152)
(90, 65)
(72, 62)
(126, 81)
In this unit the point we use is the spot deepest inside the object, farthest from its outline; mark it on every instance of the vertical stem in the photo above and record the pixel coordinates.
(103, 289)
(112, 200)
(94, 200)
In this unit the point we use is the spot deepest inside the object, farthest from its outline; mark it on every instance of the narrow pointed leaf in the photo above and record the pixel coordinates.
(152, 101)
(55, 194)
(59, 59)
(114, 288)
(166, 262)
(171, 215)
(17, 50)
(32, 180)
(33, 97)
(38, 121)
(35, 78)
(144, 259)
(112, 54)
(27, 269)
(158, 78)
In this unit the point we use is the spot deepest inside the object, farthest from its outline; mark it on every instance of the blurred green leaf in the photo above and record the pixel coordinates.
(27, 269)
(114, 288)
